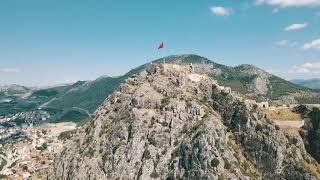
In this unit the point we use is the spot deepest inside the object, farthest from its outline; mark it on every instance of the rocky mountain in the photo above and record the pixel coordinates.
(172, 122)
(247, 80)
(309, 83)
(84, 97)
(14, 89)
(250, 81)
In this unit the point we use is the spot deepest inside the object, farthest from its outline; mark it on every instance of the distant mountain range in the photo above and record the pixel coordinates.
(81, 99)
(309, 83)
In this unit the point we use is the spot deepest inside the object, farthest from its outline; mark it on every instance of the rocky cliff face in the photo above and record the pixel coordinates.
(255, 80)
(171, 123)
(247, 80)
(260, 82)
(310, 132)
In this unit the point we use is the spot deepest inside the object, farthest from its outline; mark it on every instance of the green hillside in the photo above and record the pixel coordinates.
(28, 103)
(87, 95)
(83, 97)
(309, 83)
(17, 89)
(15, 107)
(280, 87)
(240, 78)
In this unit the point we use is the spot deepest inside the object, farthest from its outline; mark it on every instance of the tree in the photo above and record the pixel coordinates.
(25, 167)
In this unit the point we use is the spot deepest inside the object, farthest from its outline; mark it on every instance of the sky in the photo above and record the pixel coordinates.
(46, 42)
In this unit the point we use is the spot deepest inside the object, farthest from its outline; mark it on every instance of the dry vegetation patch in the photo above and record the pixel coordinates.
(291, 131)
(282, 114)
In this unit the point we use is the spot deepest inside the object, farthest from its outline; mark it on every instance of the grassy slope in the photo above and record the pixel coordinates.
(87, 96)
(280, 87)
(15, 107)
(30, 103)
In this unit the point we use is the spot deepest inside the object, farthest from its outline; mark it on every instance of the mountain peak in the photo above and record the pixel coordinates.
(169, 122)
(185, 59)
(250, 68)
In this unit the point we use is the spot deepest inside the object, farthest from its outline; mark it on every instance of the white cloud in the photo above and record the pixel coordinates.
(221, 11)
(315, 44)
(287, 43)
(311, 68)
(294, 27)
(9, 70)
(307, 70)
(290, 3)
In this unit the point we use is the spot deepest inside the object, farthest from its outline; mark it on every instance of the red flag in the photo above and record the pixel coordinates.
(161, 46)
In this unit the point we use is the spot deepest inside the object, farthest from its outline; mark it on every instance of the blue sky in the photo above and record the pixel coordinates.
(47, 42)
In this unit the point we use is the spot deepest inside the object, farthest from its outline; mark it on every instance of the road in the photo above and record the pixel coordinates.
(297, 124)
(45, 104)
(9, 162)
(84, 110)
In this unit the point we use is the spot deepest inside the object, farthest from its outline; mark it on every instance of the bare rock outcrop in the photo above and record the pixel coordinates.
(170, 123)
(310, 132)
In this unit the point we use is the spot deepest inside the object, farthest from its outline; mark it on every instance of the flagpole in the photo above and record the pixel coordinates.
(164, 56)
(161, 54)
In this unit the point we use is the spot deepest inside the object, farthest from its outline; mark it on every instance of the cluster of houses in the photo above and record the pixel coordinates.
(23, 159)
(32, 155)
(28, 116)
